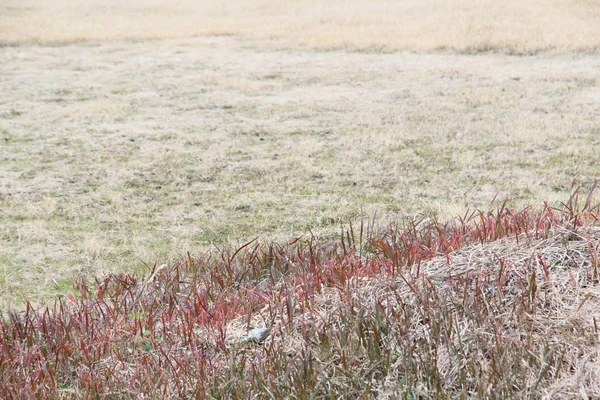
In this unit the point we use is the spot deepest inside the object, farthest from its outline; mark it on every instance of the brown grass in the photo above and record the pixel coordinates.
(502, 305)
(416, 25)
(132, 133)
(116, 152)
(123, 153)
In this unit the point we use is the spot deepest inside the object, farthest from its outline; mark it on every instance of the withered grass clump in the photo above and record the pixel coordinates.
(497, 305)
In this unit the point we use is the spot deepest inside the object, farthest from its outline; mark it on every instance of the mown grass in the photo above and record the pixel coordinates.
(391, 314)
(124, 153)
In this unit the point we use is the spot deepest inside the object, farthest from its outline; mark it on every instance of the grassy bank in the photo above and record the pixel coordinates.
(502, 305)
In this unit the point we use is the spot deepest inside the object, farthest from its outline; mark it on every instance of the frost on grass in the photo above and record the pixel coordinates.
(503, 305)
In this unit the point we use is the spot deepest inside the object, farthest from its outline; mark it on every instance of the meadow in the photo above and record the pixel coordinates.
(511, 26)
(138, 137)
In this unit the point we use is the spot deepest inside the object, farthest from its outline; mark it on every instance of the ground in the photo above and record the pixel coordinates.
(144, 144)
(132, 144)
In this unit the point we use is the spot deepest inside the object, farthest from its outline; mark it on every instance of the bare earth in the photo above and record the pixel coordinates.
(121, 153)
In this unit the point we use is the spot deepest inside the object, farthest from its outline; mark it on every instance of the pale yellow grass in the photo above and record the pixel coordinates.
(514, 26)
(116, 154)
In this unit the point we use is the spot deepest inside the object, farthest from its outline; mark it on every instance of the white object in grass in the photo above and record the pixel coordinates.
(258, 335)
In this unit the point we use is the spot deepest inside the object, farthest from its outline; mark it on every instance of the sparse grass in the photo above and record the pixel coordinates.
(498, 305)
(119, 154)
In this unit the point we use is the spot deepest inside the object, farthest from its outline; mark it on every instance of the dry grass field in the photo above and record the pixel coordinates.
(511, 26)
(135, 132)
(117, 150)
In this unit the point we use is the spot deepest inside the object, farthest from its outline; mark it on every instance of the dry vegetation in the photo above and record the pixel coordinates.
(134, 132)
(415, 25)
(505, 305)
(118, 154)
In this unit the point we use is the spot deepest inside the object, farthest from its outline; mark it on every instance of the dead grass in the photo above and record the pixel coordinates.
(132, 133)
(459, 25)
(118, 154)
(502, 305)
